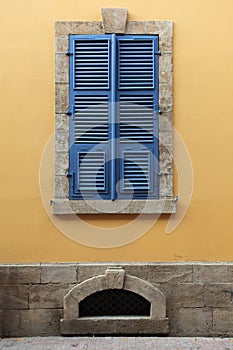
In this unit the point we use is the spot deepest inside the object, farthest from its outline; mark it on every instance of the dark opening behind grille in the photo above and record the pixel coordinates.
(114, 302)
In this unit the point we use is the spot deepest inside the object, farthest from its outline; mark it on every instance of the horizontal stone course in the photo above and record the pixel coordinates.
(158, 273)
(198, 295)
(59, 273)
(20, 273)
(47, 296)
(10, 323)
(13, 296)
(211, 273)
(218, 295)
(223, 321)
(180, 295)
(191, 322)
(40, 322)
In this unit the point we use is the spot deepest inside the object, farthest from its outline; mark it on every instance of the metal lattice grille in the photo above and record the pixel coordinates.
(114, 302)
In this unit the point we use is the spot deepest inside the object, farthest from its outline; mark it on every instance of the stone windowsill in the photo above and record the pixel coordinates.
(158, 206)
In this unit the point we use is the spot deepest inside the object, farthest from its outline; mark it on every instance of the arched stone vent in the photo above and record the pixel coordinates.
(115, 286)
(114, 302)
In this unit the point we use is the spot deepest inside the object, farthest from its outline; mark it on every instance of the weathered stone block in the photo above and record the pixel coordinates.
(223, 321)
(61, 163)
(58, 273)
(61, 44)
(116, 326)
(9, 323)
(165, 186)
(114, 20)
(61, 68)
(165, 139)
(136, 269)
(162, 28)
(40, 322)
(61, 98)
(165, 68)
(190, 322)
(70, 306)
(13, 297)
(183, 295)
(165, 122)
(165, 97)
(218, 295)
(115, 277)
(66, 28)
(211, 273)
(166, 159)
(90, 270)
(230, 270)
(62, 141)
(61, 187)
(17, 273)
(47, 296)
(62, 122)
(173, 273)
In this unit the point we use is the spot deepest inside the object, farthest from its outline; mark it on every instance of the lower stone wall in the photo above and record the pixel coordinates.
(199, 296)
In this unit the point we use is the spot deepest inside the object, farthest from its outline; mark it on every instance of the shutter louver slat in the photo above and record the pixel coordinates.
(91, 64)
(137, 118)
(92, 171)
(136, 170)
(136, 64)
(91, 119)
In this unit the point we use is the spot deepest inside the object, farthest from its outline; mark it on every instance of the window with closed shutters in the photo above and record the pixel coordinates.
(113, 117)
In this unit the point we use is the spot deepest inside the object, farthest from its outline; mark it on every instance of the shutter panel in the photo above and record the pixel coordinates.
(136, 167)
(90, 92)
(136, 118)
(136, 64)
(91, 64)
(138, 128)
(91, 171)
(91, 119)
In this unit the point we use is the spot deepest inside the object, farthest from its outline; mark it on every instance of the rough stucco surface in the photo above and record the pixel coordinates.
(198, 296)
(114, 20)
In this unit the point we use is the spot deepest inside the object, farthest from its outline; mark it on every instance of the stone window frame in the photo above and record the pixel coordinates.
(113, 21)
(114, 278)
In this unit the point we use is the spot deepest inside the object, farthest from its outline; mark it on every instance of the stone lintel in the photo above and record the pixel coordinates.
(114, 20)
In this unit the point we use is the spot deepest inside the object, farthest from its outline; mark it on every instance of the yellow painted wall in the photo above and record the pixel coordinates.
(203, 114)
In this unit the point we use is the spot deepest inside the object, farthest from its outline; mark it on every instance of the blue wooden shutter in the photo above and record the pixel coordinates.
(138, 124)
(113, 146)
(90, 90)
